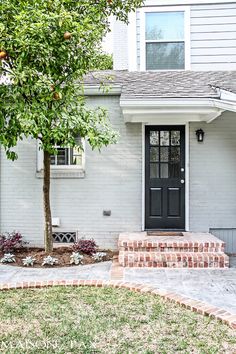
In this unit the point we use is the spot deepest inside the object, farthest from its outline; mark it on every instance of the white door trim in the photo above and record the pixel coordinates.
(187, 174)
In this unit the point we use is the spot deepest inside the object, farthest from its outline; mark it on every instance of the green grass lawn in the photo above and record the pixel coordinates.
(105, 320)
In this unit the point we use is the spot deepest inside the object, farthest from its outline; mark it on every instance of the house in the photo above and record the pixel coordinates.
(172, 98)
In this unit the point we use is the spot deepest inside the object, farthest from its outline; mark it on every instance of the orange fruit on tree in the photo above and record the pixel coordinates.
(56, 96)
(3, 54)
(67, 36)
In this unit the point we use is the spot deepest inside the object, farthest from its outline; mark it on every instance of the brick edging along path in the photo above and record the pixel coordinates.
(196, 306)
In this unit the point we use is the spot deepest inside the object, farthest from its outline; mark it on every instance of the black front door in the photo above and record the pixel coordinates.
(165, 177)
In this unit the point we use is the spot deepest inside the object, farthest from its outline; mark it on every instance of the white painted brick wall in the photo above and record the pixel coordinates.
(113, 182)
(213, 175)
(120, 45)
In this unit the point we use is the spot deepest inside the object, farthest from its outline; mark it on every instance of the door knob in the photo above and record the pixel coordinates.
(182, 181)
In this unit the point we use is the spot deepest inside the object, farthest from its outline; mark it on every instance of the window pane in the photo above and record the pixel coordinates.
(164, 156)
(62, 156)
(76, 156)
(175, 138)
(163, 56)
(154, 137)
(164, 170)
(53, 160)
(164, 138)
(154, 170)
(154, 154)
(167, 26)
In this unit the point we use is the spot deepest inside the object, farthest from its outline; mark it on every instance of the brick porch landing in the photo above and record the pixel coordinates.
(192, 250)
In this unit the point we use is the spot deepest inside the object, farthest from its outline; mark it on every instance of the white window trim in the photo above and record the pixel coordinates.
(60, 167)
(186, 10)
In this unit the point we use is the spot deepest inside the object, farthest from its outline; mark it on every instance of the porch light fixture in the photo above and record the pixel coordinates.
(200, 135)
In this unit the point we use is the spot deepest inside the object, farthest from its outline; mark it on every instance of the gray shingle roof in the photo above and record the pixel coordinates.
(167, 84)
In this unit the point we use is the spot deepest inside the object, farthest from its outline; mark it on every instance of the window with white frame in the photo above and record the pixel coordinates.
(165, 39)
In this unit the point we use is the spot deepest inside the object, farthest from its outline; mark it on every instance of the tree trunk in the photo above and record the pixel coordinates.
(48, 241)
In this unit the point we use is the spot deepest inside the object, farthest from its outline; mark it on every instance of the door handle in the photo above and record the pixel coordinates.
(182, 181)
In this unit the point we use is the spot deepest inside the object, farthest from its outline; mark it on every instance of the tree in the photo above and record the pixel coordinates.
(46, 48)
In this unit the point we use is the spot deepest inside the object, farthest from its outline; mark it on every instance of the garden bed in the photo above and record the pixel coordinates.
(62, 254)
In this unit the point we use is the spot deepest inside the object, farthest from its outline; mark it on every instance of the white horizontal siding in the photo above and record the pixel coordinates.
(213, 37)
(214, 58)
(222, 44)
(210, 66)
(209, 20)
(213, 51)
(213, 28)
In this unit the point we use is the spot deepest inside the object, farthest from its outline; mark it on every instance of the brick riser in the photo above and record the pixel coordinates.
(173, 260)
(173, 249)
(145, 246)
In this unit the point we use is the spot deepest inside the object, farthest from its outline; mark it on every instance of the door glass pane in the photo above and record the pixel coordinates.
(164, 170)
(175, 138)
(154, 154)
(164, 138)
(174, 154)
(154, 170)
(165, 25)
(164, 155)
(174, 170)
(154, 137)
(165, 56)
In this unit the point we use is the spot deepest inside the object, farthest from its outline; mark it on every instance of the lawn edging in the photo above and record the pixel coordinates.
(193, 305)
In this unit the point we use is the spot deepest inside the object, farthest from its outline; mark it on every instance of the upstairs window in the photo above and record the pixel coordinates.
(165, 44)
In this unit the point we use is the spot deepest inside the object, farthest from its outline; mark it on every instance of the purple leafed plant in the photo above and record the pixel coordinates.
(9, 242)
(88, 247)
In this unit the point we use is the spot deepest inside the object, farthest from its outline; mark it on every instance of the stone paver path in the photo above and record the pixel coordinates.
(215, 287)
(12, 274)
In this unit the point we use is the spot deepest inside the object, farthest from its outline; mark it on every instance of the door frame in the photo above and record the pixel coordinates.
(187, 175)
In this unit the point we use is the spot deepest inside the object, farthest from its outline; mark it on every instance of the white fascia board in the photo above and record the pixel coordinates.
(185, 2)
(176, 110)
(226, 95)
(164, 102)
(98, 90)
(224, 105)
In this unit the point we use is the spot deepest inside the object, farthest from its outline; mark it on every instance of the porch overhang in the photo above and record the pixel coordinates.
(174, 111)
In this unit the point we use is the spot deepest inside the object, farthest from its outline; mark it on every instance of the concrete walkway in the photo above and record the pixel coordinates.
(215, 287)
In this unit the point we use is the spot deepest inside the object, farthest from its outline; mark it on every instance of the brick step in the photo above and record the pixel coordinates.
(155, 246)
(174, 260)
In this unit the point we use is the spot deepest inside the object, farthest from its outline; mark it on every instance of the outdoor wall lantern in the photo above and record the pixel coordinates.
(200, 135)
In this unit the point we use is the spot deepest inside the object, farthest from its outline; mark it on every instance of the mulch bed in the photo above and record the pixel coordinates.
(61, 253)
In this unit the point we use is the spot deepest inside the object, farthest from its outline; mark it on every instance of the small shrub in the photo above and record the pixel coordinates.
(8, 258)
(49, 260)
(76, 258)
(9, 242)
(88, 247)
(28, 261)
(99, 256)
